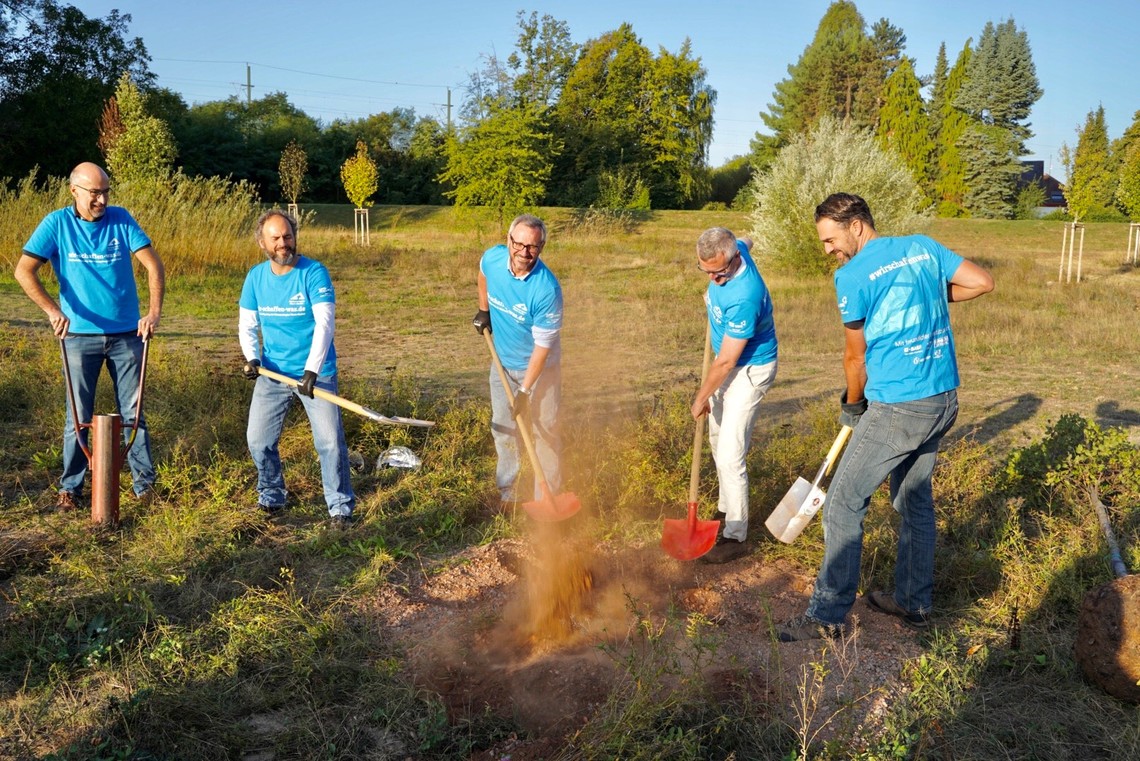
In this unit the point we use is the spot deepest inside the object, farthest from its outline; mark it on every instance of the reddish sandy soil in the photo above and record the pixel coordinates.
(533, 630)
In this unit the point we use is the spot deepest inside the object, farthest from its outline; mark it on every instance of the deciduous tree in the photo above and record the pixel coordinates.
(359, 176)
(57, 55)
(293, 167)
(502, 161)
(143, 149)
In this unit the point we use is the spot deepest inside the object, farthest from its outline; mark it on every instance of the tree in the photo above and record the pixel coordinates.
(999, 90)
(244, 141)
(948, 124)
(832, 157)
(598, 115)
(677, 130)
(887, 43)
(903, 124)
(825, 81)
(57, 55)
(1128, 185)
(141, 147)
(543, 60)
(501, 162)
(359, 176)
(1092, 181)
(292, 168)
(624, 112)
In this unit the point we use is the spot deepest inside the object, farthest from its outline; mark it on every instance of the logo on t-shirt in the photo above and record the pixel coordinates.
(298, 298)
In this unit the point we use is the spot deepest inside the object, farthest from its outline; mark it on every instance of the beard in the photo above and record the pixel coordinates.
(285, 257)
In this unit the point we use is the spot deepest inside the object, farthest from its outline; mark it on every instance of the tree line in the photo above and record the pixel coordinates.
(607, 123)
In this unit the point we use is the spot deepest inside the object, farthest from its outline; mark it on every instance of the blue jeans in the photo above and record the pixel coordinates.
(546, 432)
(267, 410)
(899, 441)
(86, 355)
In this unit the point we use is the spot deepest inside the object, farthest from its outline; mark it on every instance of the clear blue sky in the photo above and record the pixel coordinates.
(343, 58)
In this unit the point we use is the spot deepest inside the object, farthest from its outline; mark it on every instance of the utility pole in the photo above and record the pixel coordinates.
(248, 86)
(449, 109)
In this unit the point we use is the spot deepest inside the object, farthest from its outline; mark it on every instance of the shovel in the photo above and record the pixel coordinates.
(551, 507)
(688, 538)
(350, 406)
(804, 499)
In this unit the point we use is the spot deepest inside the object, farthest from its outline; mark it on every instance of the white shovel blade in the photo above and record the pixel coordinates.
(795, 511)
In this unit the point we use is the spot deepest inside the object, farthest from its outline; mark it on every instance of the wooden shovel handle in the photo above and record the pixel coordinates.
(340, 401)
(699, 432)
(523, 425)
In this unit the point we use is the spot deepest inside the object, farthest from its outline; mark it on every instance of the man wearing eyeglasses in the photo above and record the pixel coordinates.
(90, 245)
(743, 336)
(520, 302)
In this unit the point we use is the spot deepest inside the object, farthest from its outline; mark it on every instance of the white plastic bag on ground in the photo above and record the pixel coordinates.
(399, 457)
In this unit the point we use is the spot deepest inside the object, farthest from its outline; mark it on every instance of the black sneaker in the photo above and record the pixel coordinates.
(725, 550)
(884, 602)
(270, 509)
(808, 627)
(340, 522)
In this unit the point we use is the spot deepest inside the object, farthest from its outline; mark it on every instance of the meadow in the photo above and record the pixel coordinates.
(199, 629)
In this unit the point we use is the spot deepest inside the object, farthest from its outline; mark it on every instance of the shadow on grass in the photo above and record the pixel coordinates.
(1004, 415)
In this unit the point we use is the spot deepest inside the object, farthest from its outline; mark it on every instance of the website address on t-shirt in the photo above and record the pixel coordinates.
(900, 263)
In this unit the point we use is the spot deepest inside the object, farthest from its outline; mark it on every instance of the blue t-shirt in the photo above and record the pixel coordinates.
(284, 306)
(742, 308)
(519, 306)
(92, 262)
(897, 287)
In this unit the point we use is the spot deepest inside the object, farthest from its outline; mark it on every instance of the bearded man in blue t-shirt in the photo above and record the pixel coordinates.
(289, 300)
(90, 246)
(743, 335)
(520, 301)
(901, 399)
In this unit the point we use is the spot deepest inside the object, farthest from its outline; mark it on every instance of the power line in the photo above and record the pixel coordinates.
(307, 73)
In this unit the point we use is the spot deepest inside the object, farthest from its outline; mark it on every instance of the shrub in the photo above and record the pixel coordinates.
(831, 158)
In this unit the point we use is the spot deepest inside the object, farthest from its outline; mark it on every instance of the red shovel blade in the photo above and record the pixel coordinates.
(689, 538)
(553, 508)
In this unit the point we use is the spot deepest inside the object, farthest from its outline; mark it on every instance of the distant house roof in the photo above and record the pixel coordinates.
(1034, 172)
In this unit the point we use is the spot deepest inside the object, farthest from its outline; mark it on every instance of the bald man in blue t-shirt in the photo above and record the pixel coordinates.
(92, 247)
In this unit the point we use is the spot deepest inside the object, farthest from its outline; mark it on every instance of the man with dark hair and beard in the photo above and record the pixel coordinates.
(289, 299)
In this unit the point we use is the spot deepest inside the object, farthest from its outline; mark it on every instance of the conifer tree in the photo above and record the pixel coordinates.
(1092, 183)
(1127, 151)
(1000, 88)
(826, 81)
(949, 124)
(904, 127)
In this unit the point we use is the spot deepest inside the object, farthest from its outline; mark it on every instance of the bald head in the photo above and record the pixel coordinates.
(91, 190)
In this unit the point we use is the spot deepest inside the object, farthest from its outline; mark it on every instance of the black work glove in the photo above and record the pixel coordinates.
(482, 320)
(850, 412)
(249, 370)
(307, 381)
(521, 407)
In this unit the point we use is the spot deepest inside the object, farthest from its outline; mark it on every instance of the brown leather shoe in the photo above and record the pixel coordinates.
(66, 502)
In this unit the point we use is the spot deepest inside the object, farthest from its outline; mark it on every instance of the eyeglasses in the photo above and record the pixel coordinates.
(530, 248)
(96, 192)
(721, 273)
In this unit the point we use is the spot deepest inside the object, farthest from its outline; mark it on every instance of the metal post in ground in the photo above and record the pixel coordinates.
(106, 461)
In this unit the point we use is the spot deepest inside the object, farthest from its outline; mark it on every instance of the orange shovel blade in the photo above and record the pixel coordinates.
(689, 538)
(553, 508)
